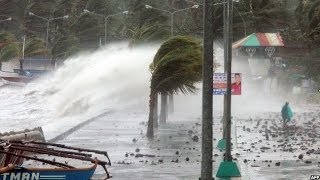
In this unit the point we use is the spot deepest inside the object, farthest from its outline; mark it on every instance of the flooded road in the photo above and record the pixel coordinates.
(176, 153)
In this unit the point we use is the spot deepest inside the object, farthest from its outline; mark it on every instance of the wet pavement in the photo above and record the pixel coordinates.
(176, 151)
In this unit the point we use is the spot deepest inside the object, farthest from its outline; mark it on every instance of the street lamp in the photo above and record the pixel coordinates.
(172, 13)
(8, 19)
(106, 20)
(48, 23)
(224, 3)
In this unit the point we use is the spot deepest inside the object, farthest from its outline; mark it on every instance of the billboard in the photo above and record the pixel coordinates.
(220, 83)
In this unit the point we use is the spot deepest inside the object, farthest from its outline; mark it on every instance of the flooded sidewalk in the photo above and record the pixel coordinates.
(175, 152)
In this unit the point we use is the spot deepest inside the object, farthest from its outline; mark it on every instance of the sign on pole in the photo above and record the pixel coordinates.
(220, 83)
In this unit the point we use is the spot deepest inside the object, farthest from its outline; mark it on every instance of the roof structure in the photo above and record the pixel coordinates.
(260, 40)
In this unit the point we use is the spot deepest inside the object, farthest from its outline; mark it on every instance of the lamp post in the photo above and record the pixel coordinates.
(228, 168)
(227, 17)
(48, 23)
(224, 3)
(4, 20)
(106, 20)
(228, 61)
(172, 13)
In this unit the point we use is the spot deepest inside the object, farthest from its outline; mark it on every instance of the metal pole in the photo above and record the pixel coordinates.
(105, 30)
(47, 42)
(206, 162)
(225, 34)
(171, 23)
(21, 60)
(23, 45)
(228, 113)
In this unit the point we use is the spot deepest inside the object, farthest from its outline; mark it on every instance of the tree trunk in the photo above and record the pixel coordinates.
(21, 66)
(155, 112)
(171, 104)
(164, 108)
(150, 132)
(0, 66)
(208, 37)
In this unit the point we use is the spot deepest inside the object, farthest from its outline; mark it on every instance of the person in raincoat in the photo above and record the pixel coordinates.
(286, 113)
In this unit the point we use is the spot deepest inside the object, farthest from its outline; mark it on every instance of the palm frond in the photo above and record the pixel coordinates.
(177, 66)
(8, 52)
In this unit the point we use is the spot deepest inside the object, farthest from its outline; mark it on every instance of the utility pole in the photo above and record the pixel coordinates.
(23, 45)
(228, 168)
(225, 44)
(105, 19)
(207, 74)
(21, 60)
(48, 24)
(229, 68)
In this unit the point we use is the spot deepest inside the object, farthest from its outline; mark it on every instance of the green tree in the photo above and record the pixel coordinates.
(308, 16)
(36, 26)
(8, 48)
(149, 34)
(66, 46)
(176, 67)
(308, 19)
(11, 48)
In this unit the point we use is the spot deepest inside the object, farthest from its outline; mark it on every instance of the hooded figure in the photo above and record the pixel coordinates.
(286, 113)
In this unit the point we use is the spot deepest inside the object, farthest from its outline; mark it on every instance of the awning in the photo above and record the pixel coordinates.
(260, 40)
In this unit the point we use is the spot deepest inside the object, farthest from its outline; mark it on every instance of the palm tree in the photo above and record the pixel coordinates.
(176, 67)
(11, 48)
(149, 34)
(8, 48)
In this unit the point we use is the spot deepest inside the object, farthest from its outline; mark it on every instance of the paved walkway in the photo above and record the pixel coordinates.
(176, 154)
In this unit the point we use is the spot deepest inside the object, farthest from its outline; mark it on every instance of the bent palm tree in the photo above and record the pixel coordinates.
(177, 66)
(149, 33)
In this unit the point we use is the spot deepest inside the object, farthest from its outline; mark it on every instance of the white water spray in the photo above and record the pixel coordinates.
(115, 77)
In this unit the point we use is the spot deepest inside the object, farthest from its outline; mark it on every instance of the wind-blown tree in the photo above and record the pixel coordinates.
(35, 26)
(177, 66)
(88, 30)
(65, 47)
(147, 25)
(16, 10)
(308, 16)
(8, 47)
(259, 16)
(149, 34)
(11, 48)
